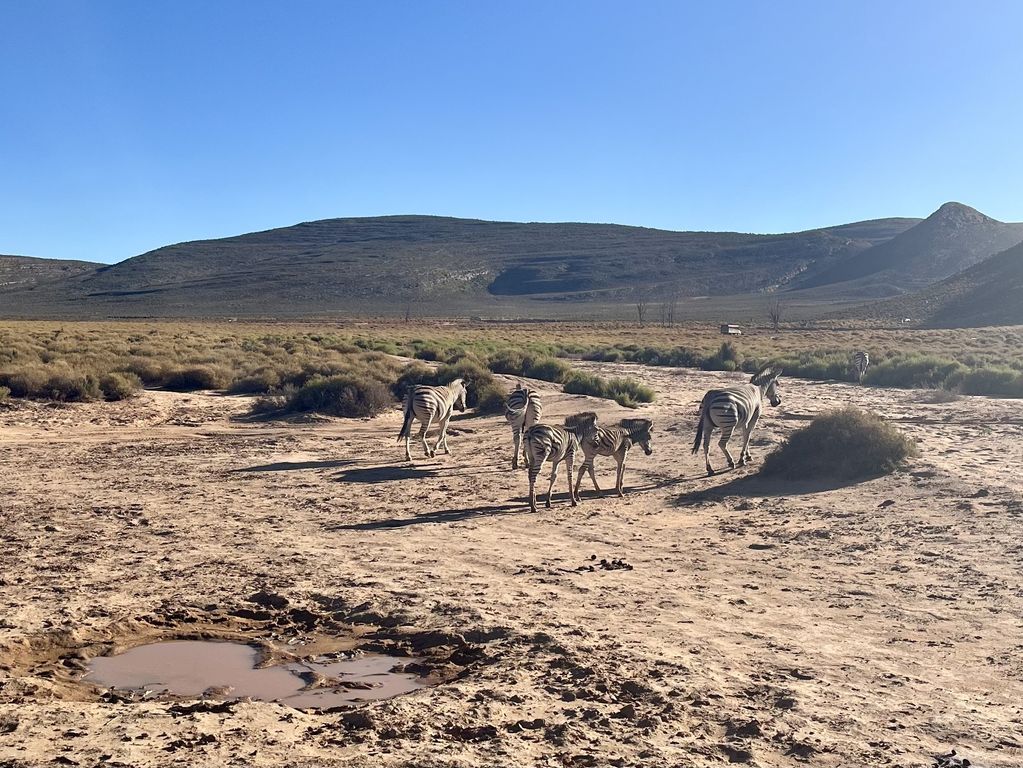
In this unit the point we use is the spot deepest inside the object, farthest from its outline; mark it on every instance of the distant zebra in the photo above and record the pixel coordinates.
(734, 407)
(429, 404)
(608, 441)
(523, 409)
(546, 442)
(859, 363)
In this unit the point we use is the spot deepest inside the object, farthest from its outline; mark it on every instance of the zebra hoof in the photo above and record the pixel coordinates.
(711, 473)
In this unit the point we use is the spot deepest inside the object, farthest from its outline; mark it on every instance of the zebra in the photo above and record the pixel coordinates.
(547, 442)
(523, 409)
(429, 404)
(609, 441)
(734, 407)
(859, 362)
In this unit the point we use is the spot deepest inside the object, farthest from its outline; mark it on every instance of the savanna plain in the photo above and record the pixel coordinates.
(235, 481)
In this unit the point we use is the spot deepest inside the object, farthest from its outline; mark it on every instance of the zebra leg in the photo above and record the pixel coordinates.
(554, 478)
(620, 480)
(516, 446)
(422, 436)
(442, 438)
(746, 456)
(569, 460)
(726, 435)
(534, 471)
(744, 453)
(708, 426)
(579, 477)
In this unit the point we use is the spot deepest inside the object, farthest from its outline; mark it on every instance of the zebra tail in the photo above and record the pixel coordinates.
(406, 427)
(699, 429)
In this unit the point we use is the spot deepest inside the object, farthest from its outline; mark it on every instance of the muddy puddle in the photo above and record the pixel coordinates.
(228, 670)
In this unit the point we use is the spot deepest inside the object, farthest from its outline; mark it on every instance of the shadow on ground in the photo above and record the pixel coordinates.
(288, 466)
(440, 516)
(754, 485)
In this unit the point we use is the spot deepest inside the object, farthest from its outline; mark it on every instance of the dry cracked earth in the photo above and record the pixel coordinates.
(696, 622)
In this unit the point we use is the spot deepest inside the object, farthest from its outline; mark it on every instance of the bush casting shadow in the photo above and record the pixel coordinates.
(846, 444)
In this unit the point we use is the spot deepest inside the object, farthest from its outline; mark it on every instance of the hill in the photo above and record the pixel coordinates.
(953, 238)
(21, 272)
(989, 293)
(369, 264)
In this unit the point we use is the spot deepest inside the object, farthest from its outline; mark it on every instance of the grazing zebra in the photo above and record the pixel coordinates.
(608, 441)
(546, 442)
(429, 404)
(734, 407)
(523, 409)
(859, 363)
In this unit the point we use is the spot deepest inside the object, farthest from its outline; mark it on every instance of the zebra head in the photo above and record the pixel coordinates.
(461, 390)
(767, 379)
(639, 432)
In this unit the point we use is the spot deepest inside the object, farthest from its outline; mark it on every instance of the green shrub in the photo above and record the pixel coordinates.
(844, 444)
(262, 381)
(484, 393)
(920, 371)
(726, 359)
(198, 377)
(119, 385)
(627, 392)
(71, 387)
(344, 395)
(548, 369)
(5, 393)
(997, 382)
(414, 373)
(512, 362)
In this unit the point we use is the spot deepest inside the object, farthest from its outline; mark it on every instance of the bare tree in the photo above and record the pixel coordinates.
(641, 307)
(669, 307)
(776, 313)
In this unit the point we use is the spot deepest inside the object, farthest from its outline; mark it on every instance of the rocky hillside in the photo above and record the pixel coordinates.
(370, 264)
(953, 238)
(21, 272)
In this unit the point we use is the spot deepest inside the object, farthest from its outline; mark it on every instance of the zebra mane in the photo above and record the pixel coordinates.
(584, 419)
(632, 426)
(765, 374)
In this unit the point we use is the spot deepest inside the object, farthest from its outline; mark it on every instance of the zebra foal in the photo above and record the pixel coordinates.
(858, 364)
(522, 410)
(735, 407)
(429, 404)
(608, 441)
(546, 442)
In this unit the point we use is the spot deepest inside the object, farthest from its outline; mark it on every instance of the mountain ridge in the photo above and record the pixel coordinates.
(361, 263)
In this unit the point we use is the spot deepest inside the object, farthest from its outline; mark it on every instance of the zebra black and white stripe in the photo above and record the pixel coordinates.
(859, 363)
(608, 441)
(547, 442)
(522, 410)
(735, 407)
(429, 405)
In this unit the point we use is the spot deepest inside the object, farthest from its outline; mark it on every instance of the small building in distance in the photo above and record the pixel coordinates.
(731, 330)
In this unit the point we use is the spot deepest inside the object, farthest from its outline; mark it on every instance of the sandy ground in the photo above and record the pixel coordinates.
(875, 624)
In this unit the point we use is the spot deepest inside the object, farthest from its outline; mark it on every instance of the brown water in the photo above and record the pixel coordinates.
(225, 670)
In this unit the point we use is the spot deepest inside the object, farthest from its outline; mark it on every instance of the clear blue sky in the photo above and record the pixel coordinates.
(125, 126)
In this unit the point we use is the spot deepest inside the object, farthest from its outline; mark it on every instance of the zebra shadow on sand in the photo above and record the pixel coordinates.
(436, 516)
(752, 485)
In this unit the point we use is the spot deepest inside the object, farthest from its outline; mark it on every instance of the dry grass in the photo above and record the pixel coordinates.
(93, 360)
